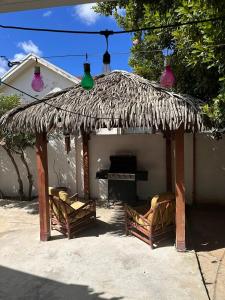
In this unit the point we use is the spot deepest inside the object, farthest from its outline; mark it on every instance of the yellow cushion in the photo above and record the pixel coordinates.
(77, 204)
(64, 196)
(136, 216)
(79, 215)
(160, 198)
(61, 211)
(165, 213)
(53, 191)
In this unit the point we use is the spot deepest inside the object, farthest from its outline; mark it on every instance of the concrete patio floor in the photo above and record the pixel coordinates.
(101, 264)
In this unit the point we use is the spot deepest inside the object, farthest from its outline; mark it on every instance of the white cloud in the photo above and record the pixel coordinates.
(121, 11)
(47, 13)
(27, 47)
(19, 56)
(30, 47)
(3, 66)
(86, 13)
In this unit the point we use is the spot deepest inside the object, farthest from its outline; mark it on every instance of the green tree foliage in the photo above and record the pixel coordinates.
(16, 143)
(198, 60)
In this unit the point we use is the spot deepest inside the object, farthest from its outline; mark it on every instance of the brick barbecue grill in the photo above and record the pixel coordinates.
(122, 178)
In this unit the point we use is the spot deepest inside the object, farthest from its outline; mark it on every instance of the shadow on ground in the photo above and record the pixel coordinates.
(31, 207)
(111, 221)
(206, 236)
(206, 228)
(16, 285)
(114, 225)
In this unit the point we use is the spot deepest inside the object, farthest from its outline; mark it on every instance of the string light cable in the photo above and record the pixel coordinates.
(106, 56)
(12, 63)
(111, 32)
(63, 109)
(54, 106)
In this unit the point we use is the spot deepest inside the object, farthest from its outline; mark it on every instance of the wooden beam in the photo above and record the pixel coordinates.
(168, 163)
(12, 5)
(42, 179)
(180, 190)
(85, 139)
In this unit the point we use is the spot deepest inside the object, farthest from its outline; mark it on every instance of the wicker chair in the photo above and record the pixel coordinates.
(70, 215)
(151, 225)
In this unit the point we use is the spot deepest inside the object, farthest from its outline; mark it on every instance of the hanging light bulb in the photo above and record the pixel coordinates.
(87, 81)
(167, 79)
(106, 56)
(106, 63)
(37, 82)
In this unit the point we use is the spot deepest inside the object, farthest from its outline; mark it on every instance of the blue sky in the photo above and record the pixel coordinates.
(15, 44)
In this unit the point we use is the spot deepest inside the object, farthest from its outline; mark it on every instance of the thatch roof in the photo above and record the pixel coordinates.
(119, 99)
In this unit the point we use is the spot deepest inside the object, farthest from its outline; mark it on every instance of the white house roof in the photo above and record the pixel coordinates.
(30, 60)
(12, 5)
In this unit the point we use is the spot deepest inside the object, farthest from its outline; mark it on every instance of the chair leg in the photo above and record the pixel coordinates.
(151, 243)
(126, 223)
(68, 231)
(126, 230)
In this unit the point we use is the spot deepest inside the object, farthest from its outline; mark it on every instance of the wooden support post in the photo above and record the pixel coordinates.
(85, 138)
(180, 190)
(168, 163)
(42, 168)
(76, 162)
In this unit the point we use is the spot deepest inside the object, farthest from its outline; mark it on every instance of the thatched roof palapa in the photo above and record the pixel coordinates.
(119, 99)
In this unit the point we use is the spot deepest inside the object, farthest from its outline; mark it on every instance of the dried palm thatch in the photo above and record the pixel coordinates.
(119, 99)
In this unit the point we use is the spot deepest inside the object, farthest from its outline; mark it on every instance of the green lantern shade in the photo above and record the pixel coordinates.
(87, 81)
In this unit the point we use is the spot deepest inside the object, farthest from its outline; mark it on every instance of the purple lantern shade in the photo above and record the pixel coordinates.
(167, 79)
(37, 82)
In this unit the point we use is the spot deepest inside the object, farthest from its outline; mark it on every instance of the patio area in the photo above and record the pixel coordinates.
(207, 238)
(101, 264)
(143, 105)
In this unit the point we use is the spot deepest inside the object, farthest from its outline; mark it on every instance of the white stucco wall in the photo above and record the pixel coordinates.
(8, 177)
(150, 151)
(52, 81)
(210, 170)
(188, 166)
(62, 168)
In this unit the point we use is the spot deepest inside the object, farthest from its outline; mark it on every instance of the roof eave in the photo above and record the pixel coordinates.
(28, 61)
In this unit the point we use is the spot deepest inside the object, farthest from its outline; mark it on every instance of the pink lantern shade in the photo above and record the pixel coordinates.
(37, 82)
(167, 79)
(135, 42)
